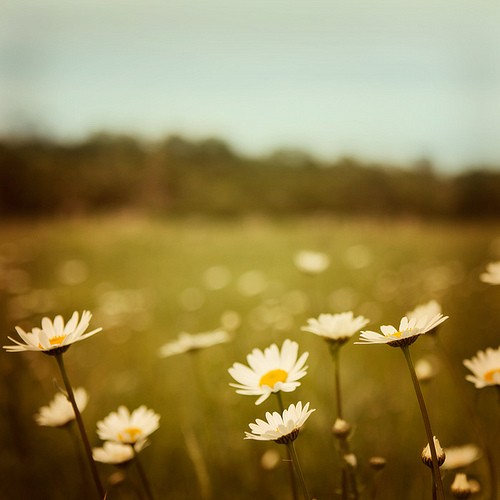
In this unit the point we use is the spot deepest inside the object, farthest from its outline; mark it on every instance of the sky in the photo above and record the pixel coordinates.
(385, 80)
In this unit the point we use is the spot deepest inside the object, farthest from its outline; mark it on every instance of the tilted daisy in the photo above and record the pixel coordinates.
(54, 337)
(280, 428)
(59, 411)
(492, 274)
(335, 328)
(128, 428)
(187, 342)
(428, 310)
(116, 453)
(270, 371)
(485, 366)
(458, 457)
(407, 333)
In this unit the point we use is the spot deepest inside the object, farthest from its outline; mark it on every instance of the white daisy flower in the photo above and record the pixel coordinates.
(128, 428)
(428, 310)
(187, 342)
(279, 428)
(115, 453)
(407, 333)
(54, 336)
(492, 274)
(461, 456)
(270, 371)
(311, 262)
(485, 366)
(335, 328)
(59, 411)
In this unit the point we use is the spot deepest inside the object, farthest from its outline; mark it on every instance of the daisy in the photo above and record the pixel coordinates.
(128, 428)
(115, 453)
(187, 342)
(279, 428)
(270, 371)
(428, 310)
(54, 337)
(311, 262)
(485, 366)
(59, 411)
(335, 328)
(407, 333)
(492, 274)
(461, 456)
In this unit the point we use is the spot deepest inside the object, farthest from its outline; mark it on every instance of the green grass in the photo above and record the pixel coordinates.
(145, 281)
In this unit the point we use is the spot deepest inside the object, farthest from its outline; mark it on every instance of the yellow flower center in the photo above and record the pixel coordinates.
(129, 435)
(273, 377)
(54, 340)
(488, 376)
(396, 335)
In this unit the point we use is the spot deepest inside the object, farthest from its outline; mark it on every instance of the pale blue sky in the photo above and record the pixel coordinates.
(381, 80)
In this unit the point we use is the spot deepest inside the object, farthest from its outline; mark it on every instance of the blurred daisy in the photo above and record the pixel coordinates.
(270, 371)
(279, 428)
(310, 262)
(461, 456)
(113, 453)
(54, 337)
(428, 310)
(425, 369)
(492, 274)
(335, 328)
(59, 411)
(187, 342)
(485, 366)
(460, 487)
(128, 428)
(116, 453)
(407, 333)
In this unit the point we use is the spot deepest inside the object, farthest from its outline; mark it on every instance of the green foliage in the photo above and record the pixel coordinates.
(178, 176)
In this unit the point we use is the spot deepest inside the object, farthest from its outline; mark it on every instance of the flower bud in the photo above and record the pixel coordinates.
(377, 463)
(427, 456)
(341, 429)
(460, 486)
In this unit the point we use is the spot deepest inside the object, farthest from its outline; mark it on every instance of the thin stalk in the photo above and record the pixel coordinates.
(335, 351)
(298, 469)
(142, 475)
(78, 451)
(81, 427)
(293, 484)
(438, 483)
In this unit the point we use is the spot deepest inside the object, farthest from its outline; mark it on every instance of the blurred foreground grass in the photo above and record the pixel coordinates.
(147, 280)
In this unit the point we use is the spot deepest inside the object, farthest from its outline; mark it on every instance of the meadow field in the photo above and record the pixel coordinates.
(146, 280)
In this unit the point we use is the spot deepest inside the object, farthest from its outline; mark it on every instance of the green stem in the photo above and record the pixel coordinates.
(298, 469)
(335, 351)
(81, 427)
(142, 475)
(438, 483)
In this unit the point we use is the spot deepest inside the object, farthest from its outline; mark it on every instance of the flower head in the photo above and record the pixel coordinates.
(270, 371)
(428, 310)
(311, 262)
(335, 328)
(461, 456)
(427, 455)
(59, 411)
(54, 336)
(187, 342)
(492, 274)
(115, 453)
(407, 333)
(279, 428)
(485, 366)
(128, 428)
(460, 486)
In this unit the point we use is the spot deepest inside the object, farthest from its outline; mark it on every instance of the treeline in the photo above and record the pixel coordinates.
(179, 176)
